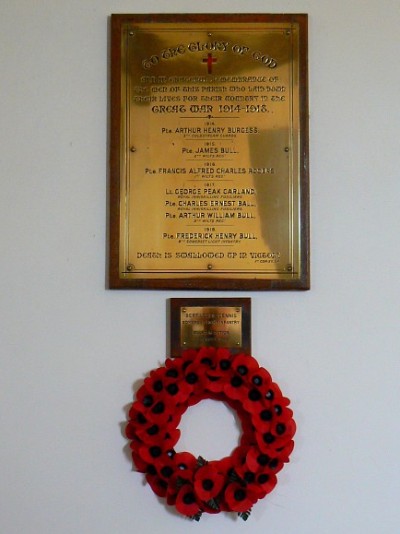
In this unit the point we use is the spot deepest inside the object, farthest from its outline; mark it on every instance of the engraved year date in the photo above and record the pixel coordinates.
(248, 108)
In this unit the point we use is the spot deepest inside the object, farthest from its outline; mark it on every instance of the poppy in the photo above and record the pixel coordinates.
(206, 357)
(245, 365)
(154, 382)
(157, 484)
(211, 357)
(215, 378)
(257, 460)
(213, 383)
(186, 502)
(185, 461)
(253, 400)
(240, 498)
(266, 481)
(161, 409)
(166, 469)
(177, 390)
(145, 397)
(235, 388)
(277, 436)
(149, 433)
(151, 453)
(260, 378)
(268, 416)
(208, 482)
(175, 483)
(173, 367)
(262, 418)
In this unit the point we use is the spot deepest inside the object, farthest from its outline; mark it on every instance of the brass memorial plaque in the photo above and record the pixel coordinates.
(209, 142)
(216, 322)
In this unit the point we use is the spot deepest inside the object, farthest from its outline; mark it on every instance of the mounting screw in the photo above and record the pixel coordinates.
(286, 149)
(130, 267)
(133, 149)
(289, 268)
(209, 267)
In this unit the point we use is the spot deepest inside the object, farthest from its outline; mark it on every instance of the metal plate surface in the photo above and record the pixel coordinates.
(215, 322)
(209, 141)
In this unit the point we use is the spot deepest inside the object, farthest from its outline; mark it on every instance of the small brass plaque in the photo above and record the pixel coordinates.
(209, 141)
(217, 323)
(211, 326)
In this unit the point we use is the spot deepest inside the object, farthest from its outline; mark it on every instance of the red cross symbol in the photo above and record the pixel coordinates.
(209, 60)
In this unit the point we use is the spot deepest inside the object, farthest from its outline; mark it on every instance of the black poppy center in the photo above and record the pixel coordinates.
(269, 395)
(239, 495)
(262, 479)
(263, 459)
(236, 381)
(225, 364)
(274, 463)
(208, 484)
(266, 415)
(167, 471)
(192, 378)
(278, 409)
(141, 419)
(157, 386)
(268, 437)
(152, 431)
(257, 380)
(147, 400)
(280, 429)
(242, 370)
(189, 498)
(155, 451)
(206, 361)
(158, 408)
(254, 395)
(172, 389)
(172, 373)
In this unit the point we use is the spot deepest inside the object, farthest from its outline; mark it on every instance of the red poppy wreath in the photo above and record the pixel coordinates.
(194, 485)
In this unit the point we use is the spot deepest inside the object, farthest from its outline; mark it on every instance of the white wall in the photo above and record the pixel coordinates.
(71, 350)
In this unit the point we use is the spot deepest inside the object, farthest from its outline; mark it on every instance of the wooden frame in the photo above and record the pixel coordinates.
(219, 322)
(179, 83)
